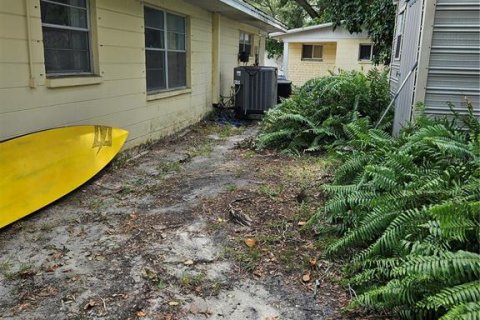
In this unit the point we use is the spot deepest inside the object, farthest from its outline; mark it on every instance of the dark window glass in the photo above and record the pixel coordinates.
(156, 72)
(245, 44)
(66, 36)
(177, 64)
(154, 19)
(312, 52)
(307, 51)
(160, 74)
(61, 61)
(365, 52)
(154, 38)
(247, 49)
(61, 15)
(175, 23)
(398, 46)
(65, 39)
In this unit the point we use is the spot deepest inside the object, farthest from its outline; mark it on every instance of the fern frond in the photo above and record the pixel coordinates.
(456, 295)
(466, 311)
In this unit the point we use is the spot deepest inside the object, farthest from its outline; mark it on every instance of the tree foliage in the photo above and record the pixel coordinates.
(286, 11)
(377, 17)
(274, 48)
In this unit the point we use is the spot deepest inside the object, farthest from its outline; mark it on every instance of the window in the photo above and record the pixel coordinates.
(365, 52)
(165, 50)
(66, 36)
(245, 46)
(312, 52)
(398, 39)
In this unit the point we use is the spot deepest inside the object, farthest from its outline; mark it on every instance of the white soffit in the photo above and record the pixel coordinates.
(242, 12)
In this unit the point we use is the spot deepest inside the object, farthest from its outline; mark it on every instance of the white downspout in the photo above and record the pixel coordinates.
(216, 58)
(32, 82)
(285, 59)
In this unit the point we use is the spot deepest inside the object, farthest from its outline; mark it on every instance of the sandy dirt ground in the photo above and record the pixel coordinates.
(195, 226)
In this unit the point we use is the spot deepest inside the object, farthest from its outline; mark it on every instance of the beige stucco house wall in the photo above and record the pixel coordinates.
(115, 94)
(340, 51)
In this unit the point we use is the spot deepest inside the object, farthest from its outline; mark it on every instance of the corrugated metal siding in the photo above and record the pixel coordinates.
(454, 69)
(409, 56)
(394, 75)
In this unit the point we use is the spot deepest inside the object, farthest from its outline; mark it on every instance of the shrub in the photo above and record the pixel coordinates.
(411, 204)
(314, 116)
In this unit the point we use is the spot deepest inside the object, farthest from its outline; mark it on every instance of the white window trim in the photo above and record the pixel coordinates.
(159, 93)
(399, 33)
(313, 49)
(89, 37)
(371, 52)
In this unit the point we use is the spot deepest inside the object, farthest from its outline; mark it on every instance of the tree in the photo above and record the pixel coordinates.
(377, 17)
(286, 11)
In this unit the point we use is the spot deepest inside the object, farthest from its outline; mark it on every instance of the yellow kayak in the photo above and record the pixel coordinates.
(39, 168)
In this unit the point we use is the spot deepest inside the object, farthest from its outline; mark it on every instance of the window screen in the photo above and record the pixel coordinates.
(165, 50)
(365, 52)
(245, 44)
(312, 52)
(398, 40)
(66, 37)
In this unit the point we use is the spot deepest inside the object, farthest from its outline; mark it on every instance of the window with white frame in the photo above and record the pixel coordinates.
(365, 52)
(165, 50)
(312, 52)
(245, 44)
(66, 36)
(399, 33)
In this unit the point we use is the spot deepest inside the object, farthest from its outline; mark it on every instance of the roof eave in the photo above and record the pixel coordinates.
(255, 13)
(300, 30)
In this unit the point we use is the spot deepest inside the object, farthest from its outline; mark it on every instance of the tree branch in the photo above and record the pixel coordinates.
(308, 7)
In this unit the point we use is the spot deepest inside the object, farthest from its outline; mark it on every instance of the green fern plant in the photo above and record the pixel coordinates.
(410, 208)
(313, 118)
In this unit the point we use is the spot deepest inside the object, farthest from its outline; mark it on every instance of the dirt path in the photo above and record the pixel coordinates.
(153, 237)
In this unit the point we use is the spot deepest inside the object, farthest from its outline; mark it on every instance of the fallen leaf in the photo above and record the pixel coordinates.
(149, 274)
(188, 262)
(250, 242)
(53, 268)
(141, 314)
(306, 277)
(301, 223)
(89, 305)
(258, 273)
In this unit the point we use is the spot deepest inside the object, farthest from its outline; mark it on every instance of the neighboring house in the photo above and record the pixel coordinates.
(150, 67)
(443, 37)
(315, 50)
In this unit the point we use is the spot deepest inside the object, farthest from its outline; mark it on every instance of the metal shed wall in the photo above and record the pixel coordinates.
(395, 63)
(410, 44)
(454, 67)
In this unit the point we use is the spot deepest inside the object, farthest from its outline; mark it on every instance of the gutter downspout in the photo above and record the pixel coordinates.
(215, 58)
(32, 82)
